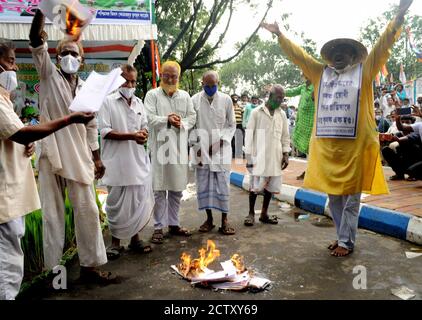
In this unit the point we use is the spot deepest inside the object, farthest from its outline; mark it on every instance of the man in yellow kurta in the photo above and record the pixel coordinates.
(344, 156)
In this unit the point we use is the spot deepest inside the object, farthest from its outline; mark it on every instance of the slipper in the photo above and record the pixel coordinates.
(114, 253)
(206, 227)
(97, 276)
(178, 231)
(227, 231)
(157, 237)
(139, 247)
(249, 221)
(269, 220)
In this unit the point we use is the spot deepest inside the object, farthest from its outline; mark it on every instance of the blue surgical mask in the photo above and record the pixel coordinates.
(210, 91)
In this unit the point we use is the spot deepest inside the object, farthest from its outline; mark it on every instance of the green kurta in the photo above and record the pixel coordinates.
(305, 116)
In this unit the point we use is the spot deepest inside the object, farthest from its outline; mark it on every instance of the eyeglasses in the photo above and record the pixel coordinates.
(169, 76)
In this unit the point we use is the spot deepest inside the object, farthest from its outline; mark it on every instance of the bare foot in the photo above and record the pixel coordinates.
(341, 252)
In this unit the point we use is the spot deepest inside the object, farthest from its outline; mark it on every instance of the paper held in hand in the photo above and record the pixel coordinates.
(95, 89)
(67, 15)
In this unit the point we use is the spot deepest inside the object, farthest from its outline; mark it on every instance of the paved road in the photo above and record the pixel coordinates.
(292, 254)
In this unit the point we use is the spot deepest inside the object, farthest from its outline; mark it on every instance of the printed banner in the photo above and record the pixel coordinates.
(338, 107)
(105, 11)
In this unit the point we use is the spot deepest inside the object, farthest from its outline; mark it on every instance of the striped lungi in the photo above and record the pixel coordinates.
(213, 189)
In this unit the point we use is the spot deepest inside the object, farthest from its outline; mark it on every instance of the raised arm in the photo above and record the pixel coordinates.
(293, 92)
(37, 35)
(382, 49)
(310, 66)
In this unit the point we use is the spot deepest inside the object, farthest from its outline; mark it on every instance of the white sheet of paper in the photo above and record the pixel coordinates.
(403, 293)
(413, 255)
(259, 283)
(95, 89)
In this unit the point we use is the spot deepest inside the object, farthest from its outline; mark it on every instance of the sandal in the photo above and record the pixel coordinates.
(227, 231)
(333, 246)
(114, 253)
(250, 221)
(97, 276)
(139, 247)
(178, 231)
(269, 220)
(206, 227)
(157, 237)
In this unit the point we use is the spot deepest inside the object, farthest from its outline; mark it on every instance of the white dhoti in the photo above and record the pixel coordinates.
(129, 209)
(89, 238)
(259, 184)
(11, 258)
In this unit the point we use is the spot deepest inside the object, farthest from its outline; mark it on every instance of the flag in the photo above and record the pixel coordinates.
(378, 79)
(416, 50)
(402, 76)
(384, 71)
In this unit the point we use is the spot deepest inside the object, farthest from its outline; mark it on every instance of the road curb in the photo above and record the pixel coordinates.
(392, 223)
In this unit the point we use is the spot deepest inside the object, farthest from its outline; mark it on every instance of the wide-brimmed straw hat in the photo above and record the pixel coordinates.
(328, 50)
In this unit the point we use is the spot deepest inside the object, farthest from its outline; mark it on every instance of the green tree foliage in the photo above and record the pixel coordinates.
(401, 52)
(263, 63)
(185, 30)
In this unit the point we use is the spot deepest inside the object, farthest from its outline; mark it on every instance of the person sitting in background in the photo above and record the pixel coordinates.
(406, 149)
(401, 93)
(382, 124)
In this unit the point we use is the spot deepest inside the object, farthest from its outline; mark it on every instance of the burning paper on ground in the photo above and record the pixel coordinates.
(234, 275)
(67, 15)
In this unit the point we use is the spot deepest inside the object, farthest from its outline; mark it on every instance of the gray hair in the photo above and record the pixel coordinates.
(211, 73)
(5, 46)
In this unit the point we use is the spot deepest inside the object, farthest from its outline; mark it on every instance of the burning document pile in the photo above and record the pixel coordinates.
(234, 276)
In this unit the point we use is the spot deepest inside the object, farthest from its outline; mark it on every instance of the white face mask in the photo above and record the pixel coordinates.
(70, 64)
(8, 80)
(128, 93)
(378, 118)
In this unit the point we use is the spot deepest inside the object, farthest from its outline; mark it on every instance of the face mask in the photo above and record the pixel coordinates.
(8, 80)
(378, 118)
(273, 104)
(210, 91)
(70, 64)
(127, 92)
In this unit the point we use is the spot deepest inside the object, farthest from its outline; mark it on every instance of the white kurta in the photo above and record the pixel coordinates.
(267, 138)
(128, 176)
(127, 163)
(215, 121)
(169, 146)
(69, 149)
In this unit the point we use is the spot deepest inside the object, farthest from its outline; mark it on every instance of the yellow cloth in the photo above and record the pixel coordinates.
(341, 166)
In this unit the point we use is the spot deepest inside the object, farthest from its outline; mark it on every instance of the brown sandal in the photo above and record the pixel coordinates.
(178, 231)
(206, 227)
(227, 231)
(157, 237)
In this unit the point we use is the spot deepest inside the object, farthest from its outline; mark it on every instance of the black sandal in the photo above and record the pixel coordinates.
(114, 253)
(250, 221)
(157, 237)
(139, 247)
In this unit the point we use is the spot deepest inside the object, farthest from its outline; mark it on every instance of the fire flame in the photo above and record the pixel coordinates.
(238, 262)
(198, 266)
